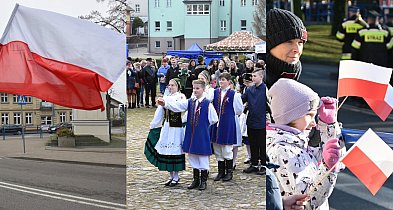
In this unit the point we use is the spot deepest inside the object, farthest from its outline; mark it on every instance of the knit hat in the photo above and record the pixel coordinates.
(206, 74)
(247, 77)
(282, 26)
(291, 100)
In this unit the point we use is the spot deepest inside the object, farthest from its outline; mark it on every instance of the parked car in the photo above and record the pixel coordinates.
(54, 128)
(11, 129)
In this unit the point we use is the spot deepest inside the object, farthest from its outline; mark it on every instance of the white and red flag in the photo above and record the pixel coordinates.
(58, 58)
(371, 160)
(369, 81)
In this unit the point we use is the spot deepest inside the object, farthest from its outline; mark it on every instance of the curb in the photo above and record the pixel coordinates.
(72, 162)
(88, 149)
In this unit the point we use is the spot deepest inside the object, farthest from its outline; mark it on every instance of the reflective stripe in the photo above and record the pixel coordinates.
(340, 35)
(351, 27)
(355, 44)
(346, 56)
(389, 45)
(373, 31)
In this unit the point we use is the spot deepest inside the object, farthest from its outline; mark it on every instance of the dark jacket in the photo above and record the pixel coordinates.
(172, 73)
(132, 78)
(150, 75)
(199, 68)
(277, 69)
(347, 32)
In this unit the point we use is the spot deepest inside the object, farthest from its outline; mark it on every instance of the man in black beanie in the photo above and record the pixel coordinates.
(200, 67)
(285, 37)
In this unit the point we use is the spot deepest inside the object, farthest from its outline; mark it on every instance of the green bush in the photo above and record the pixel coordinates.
(64, 132)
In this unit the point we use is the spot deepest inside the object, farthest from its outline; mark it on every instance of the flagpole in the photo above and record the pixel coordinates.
(325, 175)
(346, 97)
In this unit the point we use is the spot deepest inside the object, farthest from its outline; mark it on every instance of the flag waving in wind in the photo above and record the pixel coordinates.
(60, 59)
(371, 160)
(369, 81)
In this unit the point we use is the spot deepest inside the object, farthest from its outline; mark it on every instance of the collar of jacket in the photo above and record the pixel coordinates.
(278, 67)
(299, 138)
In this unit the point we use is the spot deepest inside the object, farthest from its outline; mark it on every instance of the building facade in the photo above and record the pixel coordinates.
(176, 25)
(34, 112)
(140, 9)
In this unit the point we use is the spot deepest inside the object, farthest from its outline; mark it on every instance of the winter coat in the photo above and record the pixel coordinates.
(301, 166)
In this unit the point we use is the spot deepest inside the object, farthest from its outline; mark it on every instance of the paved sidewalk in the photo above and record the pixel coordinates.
(145, 184)
(36, 150)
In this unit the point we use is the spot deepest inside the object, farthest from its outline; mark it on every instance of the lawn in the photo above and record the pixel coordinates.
(320, 46)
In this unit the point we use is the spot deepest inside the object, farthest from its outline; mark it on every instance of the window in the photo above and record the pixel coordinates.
(4, 118)
(157, 25)
(169, 44)
(4, 97)
(243, 25)
(169, 25)
(46, 120)
(198, 9)
(243, 3)
(223, 25)
(28, 118)
(17, 118)
(70, 116)
(254, 2)
(222, 3)
(168, 3)
(62, 117)
(158, 44)
(28, 99)
(156, 3)
(137, 8)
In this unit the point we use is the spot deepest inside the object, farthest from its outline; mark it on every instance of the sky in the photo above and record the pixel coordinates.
(72, 8)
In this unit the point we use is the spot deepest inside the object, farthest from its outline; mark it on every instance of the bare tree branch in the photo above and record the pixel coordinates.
(259, 23)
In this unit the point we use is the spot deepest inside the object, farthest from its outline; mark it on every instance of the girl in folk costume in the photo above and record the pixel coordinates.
(228, 104)
(201, 115)
(167, 153)
(209, 91)
(238, 141)
(302, 167)
(247, 79)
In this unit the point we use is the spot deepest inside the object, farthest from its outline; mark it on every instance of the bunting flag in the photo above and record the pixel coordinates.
(369, 81)
(371, 160)
(60, 59)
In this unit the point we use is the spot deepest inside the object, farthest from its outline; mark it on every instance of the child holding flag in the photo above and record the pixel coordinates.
(303, 168)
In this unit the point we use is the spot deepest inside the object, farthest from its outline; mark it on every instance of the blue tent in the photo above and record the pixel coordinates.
(193, 52)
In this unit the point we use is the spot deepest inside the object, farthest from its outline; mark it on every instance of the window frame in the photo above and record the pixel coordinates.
(159, 44)
(223, 25)
(167, 26)
(243, 28)
(198, 9)
(157, 28)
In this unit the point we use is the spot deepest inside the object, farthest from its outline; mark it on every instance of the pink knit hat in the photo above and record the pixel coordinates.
(291, 100)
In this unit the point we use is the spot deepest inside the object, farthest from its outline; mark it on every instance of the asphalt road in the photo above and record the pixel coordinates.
(349, 192)
(27, 184)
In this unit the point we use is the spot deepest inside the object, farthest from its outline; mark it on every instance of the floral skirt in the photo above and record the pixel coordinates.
(162, 162)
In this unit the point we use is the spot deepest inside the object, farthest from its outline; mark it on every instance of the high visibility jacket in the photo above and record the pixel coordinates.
(347, 32)
(372, 45)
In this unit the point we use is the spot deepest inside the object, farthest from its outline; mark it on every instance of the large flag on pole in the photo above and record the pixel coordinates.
(61, 59)
(369, 81)
(371, 160)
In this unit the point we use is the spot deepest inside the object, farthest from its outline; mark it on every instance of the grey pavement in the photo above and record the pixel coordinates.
(145, 184)
(113, 156)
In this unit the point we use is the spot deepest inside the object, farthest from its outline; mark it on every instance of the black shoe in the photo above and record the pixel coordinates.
(221, 171)
(196, 182)
(262, 171)
(248, 161)
(229, 171)
(251, 169)
(174, 183)
(234, 167)
(168, 182)
(204, 175)
(147, 106)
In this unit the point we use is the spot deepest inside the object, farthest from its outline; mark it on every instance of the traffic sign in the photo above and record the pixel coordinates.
(21, 100)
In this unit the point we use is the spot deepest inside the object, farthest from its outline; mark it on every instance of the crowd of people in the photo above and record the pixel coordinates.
(203, 109)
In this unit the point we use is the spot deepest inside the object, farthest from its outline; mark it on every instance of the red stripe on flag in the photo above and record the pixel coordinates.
(361, 88)
(365, 169)
(25, 73)
(381, 108)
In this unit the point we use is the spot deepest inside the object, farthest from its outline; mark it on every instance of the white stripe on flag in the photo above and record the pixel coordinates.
(377, 150)
(364, 71)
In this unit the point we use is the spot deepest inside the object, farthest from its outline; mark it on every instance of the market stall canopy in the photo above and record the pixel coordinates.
(193, 52)
(240, 41)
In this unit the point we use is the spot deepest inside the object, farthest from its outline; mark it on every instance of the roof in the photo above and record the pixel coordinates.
(237, 41)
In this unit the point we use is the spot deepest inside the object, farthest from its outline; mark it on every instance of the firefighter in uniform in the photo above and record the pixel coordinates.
(348, 30)
(372, 44)
(389, 25)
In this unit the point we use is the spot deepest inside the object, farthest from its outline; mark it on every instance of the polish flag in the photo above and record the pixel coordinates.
(60, 59)
(369, 81)
(371, 160)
